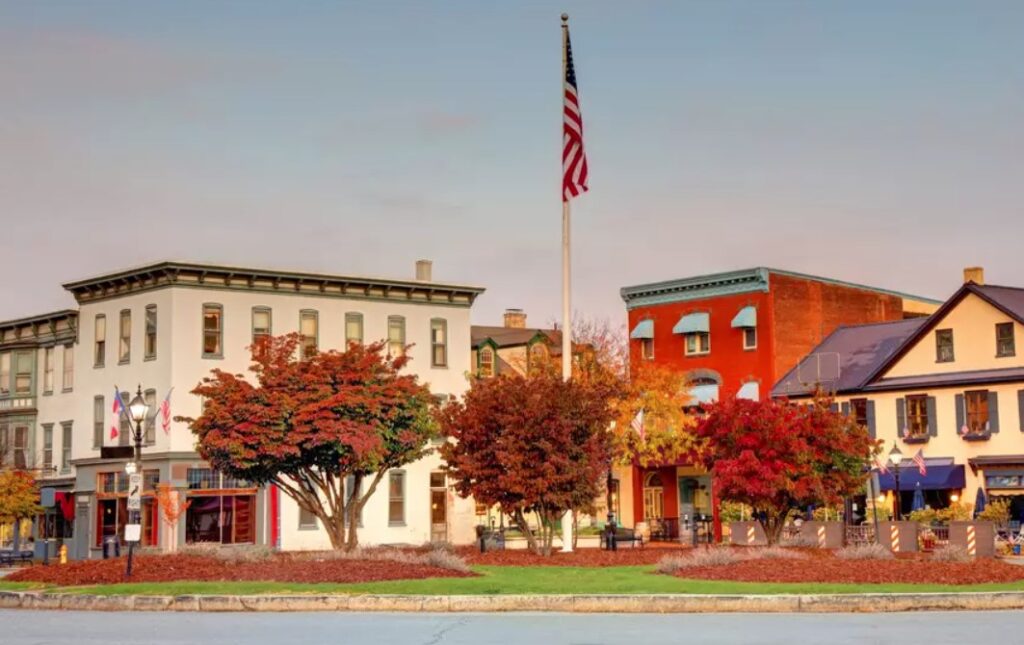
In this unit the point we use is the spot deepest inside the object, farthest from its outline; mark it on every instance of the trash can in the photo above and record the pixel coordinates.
(111, 547)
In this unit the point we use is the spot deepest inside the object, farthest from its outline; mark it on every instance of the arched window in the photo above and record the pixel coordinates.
(486, 362)
(538, 353)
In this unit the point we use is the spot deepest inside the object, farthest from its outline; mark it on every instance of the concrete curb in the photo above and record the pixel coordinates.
(629, 604)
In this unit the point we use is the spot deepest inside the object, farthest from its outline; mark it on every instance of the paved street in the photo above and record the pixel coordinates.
(37, 628)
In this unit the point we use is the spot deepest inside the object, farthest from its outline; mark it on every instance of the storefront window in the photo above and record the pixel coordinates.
(112, 507)
(223, 512)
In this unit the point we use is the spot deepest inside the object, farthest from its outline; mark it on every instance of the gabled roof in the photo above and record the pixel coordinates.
(861, 350)
(510, 336)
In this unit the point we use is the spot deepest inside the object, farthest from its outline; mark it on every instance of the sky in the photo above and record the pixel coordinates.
(874, 142)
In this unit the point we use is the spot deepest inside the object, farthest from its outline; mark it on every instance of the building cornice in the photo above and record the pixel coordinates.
(696, 288)
(51, 328)
(211, 276)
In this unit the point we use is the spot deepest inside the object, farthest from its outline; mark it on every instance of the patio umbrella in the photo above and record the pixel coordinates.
(980, 501)
(918, 502)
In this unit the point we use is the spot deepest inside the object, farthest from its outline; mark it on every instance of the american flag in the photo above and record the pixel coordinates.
(881, 467)
(118, 409)
(638, 424)
(574, 159)
(919, 460)
(165, 412)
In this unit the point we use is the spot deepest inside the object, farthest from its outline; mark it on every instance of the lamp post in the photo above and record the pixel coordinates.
(138, 410)
(895, 459)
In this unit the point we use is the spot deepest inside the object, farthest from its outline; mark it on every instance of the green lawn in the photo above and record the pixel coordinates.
(528, 580)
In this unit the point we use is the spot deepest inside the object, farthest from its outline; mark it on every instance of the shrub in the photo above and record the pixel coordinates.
(712, 557)
(734, 512)
(434, 557)
(777, 553)
(827, 514)
(864, 552)
(241, 553)
(950, 553)
(957, 511)
(998, 511)
(445, 559)
(926, 516)
(801, 539)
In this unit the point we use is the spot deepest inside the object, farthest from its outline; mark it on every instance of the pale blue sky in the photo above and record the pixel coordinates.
(879, 142)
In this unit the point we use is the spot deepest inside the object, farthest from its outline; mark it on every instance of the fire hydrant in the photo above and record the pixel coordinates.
(63, 554)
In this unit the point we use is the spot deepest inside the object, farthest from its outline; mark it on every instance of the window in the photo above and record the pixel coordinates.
(221, 509)
(124, 343)
(1004, 340)
(48, 370)
(538, 353)
(65, 446)
(149, 429)
(150, 341)
(750, 338)
(98, 408)
(647, 348)
(21, 459)
(100, 334)
(438, 343)
(352, 491)
(23, 373)
(698, 344)
(112, 506)
(977, 417)
(262, 323)
(396, 497)
(486, 362)
(5, 373)
(396, 336)
(353, 328)
(213, 331)
(859, 408)
(917, 416)
(47, 448)
(308, 324)
(69, 368)
(944, 345)
(307, 519)
(124, 427)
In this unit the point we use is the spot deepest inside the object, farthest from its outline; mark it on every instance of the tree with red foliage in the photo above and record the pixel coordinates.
(306, 425)
(775, 457)
(529, 444)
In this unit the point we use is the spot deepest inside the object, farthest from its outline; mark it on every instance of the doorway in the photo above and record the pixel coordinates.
(438, 508)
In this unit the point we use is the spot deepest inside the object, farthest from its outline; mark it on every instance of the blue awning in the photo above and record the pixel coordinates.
(643, 329)
(693, 323)
(941, 476)
(747, 317)
(751, 390)
(705, 394)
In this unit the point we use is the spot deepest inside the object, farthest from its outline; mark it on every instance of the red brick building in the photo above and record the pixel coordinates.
(736, 334)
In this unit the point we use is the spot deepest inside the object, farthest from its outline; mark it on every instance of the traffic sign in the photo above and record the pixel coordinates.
(135, 492)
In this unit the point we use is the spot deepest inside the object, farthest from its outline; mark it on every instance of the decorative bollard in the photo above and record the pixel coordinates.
(900, 537)
(977, 538)
(747, 534)
(826, 535)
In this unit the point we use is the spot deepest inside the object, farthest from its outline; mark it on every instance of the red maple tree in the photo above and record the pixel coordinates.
(775, 457)
(307, 425)
(529, 444)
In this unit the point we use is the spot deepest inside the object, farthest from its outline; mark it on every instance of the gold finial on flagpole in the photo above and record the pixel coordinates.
(565, 19)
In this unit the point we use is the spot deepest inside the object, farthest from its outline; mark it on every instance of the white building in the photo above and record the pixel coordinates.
(166, 326)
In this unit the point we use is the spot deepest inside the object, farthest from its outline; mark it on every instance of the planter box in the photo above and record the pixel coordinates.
(827, 535)
(747, 534)
(977, 538)
(900, 537)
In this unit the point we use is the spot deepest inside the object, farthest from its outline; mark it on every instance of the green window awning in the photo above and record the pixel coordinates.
(747, 317)
(643, 329)
(697, 323)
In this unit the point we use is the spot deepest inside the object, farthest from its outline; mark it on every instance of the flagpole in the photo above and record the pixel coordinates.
(566, 275)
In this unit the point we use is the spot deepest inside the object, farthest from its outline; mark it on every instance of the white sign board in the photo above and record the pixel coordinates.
(135, 492)
(132, 532)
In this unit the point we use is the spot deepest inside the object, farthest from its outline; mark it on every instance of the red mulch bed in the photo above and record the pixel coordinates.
(823, 566)
(580, 558)
(281, 568)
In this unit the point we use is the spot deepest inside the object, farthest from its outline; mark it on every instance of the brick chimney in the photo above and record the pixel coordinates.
(975, 275)
(424, 270)
(515, 319)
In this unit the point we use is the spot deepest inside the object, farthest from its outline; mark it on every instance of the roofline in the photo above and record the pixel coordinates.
(964, 379)
(28, 320)
(733, 282)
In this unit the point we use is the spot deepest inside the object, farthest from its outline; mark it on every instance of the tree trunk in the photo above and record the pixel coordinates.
(775, 521)
(353, 508)
(17, 535)
(524, 528)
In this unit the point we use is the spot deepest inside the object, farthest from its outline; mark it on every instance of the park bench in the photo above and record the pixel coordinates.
(9, 558)
(623, 536)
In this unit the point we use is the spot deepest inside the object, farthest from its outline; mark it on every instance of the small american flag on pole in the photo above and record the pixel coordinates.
(165, 412)
(638, 424)
(919, 460)
(574, 159)
(881, 467)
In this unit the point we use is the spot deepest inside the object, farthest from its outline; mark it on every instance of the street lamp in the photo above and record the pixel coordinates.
(895, 459)
(137, 410)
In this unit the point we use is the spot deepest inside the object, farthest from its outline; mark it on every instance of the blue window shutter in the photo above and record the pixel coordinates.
(871, 420)
(993, 412)
(961, 418)
(845, 408)
(933, 425)
(901, 416)
(1020, 408)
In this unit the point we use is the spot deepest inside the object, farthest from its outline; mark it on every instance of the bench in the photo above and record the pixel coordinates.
(622, 536)
(9, 558)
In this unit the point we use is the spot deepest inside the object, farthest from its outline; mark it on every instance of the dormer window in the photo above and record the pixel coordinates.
(944, 345)
(486, 362)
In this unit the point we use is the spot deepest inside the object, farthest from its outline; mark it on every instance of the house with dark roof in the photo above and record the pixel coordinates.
(950, 385)
(513, 347)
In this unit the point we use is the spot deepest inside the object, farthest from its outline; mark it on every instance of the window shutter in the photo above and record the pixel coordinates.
(933, 425)
(871, 420)
(901, 417)
(960, 413)
(1020, 408)
(845, 407)
(993, 412)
